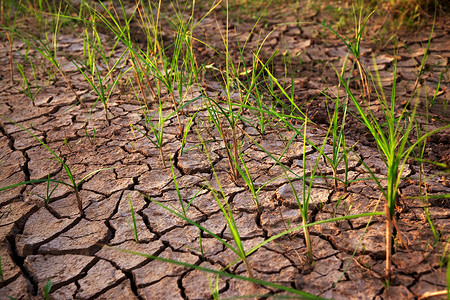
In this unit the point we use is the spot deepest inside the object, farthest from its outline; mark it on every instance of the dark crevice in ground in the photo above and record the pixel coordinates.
(134, 288)
(175, 163)
(77, 284)
(82, 274)
(35, 246)
(180, 285)
(25, 168)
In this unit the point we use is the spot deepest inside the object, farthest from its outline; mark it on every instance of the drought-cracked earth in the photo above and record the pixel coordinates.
(78, 253)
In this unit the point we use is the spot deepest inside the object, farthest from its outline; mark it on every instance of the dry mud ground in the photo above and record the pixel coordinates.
(42, 241)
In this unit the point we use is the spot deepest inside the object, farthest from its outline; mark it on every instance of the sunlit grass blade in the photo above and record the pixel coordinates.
(133, 217)
(46, 289)
(296, 293)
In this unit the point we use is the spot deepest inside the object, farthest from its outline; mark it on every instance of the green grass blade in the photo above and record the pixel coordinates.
(300, 294)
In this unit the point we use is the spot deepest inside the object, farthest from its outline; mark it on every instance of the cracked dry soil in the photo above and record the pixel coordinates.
(51, 241)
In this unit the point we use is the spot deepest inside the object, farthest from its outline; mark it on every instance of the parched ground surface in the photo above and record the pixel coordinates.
(42, 241)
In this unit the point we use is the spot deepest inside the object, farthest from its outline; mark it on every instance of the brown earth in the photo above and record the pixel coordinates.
(42, 241)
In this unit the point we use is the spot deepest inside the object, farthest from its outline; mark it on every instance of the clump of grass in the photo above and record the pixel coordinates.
(222, 202)
(392, 137)
(392, 144)
(29, 89)
(410, 13)
(47, 47)
(306, 191)
(353, 44)
(340, 150)
(9, 14)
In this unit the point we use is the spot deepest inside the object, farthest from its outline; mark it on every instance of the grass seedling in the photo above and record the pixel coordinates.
(422, 179)
(214, 287)
(99, 84)
(90, 137)
(10, 33)
(224, 110)
(295, 112)
(245, 174)
(225, 208)
(27, 89)
(222, 202)
(230, 139)
(306, 191)
(157, 128)
(248, 86)
(133, 217)
(48, 192)
(187, 127)
(392, 141)
(298, 293)
(339, 148)
(46, 289)
(180, 199)
(184, 207)
(354, 46)
(102, 84)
